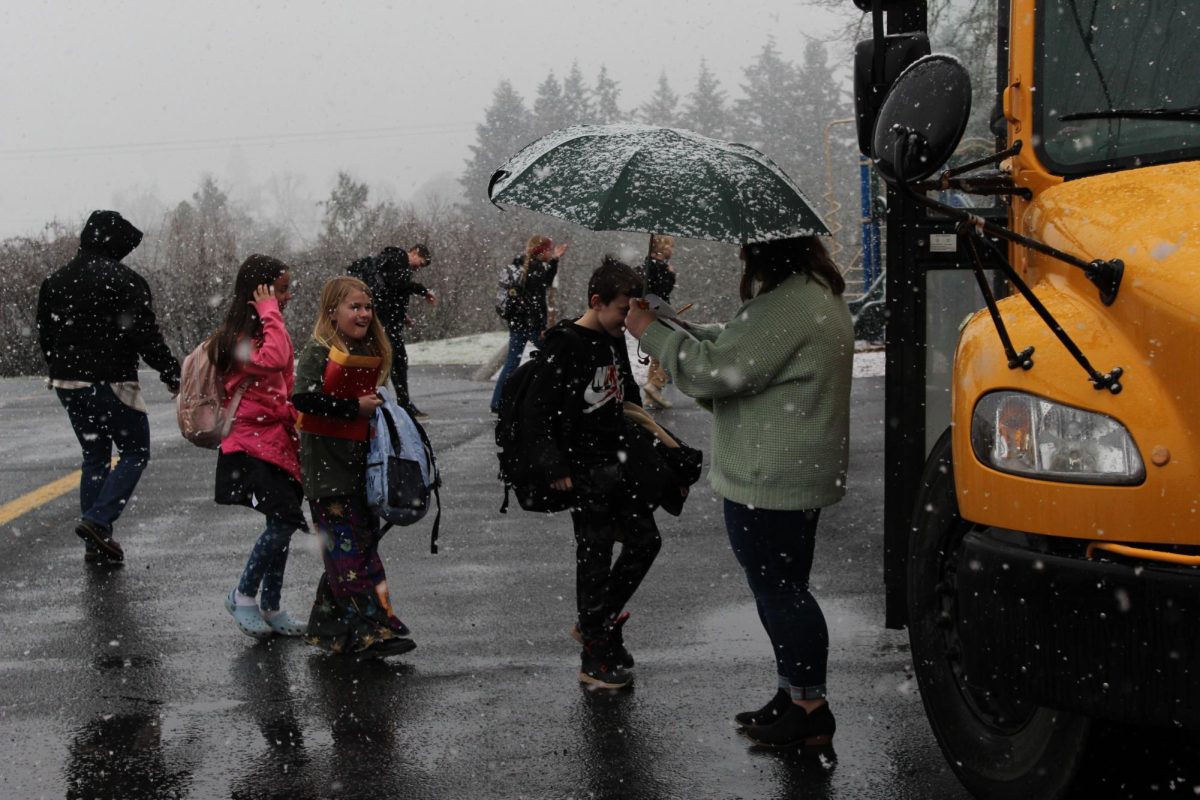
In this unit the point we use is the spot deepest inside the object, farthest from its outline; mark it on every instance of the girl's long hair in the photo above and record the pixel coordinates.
(657, 240)
(241, 318)
(769, 264)
(333, 293)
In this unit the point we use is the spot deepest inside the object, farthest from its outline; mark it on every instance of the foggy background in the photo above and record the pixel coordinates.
(319, 133)
(131, 103)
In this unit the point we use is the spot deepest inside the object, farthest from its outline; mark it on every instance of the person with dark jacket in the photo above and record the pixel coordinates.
(526, 281)
(389, 279)
(576, 408)
(95, 320)
(659, 277)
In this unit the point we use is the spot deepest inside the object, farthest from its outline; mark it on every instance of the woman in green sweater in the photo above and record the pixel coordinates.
(777, 381)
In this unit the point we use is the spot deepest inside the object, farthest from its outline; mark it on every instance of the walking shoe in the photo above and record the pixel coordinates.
(621, 656)
(96, 534)
(769, 713)
(248, 619)
(599, 669)
(417, 414)
(796, 727)
(92, 555)
(386, 647)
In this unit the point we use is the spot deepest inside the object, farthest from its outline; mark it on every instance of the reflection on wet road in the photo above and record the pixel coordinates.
(133, 682)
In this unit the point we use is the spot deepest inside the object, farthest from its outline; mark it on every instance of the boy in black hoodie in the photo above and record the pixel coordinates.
(95, 322)
(576, 408)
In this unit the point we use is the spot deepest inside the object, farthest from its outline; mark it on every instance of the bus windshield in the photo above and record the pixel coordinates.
(1116, 83)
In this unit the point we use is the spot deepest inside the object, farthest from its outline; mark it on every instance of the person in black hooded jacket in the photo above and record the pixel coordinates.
(576, 410)
(95, 320)
(389, 279)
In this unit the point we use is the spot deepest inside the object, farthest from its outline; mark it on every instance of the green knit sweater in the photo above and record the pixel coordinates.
(777, 381)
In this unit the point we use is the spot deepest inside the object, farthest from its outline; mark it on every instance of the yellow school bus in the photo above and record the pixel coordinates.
(1043, 347)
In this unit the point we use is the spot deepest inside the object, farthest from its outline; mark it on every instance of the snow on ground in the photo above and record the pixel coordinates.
(479, 348)
(868, 364)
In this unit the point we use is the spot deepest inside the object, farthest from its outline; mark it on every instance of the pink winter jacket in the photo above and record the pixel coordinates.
(265, 423)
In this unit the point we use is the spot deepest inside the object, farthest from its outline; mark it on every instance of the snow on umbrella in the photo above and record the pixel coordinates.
(656, 180)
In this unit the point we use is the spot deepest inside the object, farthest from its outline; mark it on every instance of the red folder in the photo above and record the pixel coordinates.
(349, 377)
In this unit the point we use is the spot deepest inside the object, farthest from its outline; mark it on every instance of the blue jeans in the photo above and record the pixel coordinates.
(101, 420)
(518, 337)
(267, 562)
(775, 549)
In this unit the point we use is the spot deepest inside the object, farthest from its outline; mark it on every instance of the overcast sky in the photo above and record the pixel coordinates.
(103, 102)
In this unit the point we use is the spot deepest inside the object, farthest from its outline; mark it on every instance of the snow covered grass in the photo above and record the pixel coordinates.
(471, 350)
(479, 348)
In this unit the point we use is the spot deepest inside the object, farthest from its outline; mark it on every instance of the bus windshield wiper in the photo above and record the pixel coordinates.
(1168, 114)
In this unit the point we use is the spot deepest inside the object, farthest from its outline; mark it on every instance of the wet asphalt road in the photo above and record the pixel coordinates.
(133, 682)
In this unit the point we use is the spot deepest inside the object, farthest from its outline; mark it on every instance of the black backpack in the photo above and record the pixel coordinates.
(519, 464)
(363, 269)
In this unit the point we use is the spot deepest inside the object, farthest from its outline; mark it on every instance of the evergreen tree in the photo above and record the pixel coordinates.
(347, 215)
(660, 109)
(819, 101)
(706, 112)
(549, 110)
(576, 98)
(767, 116)
(607, 94)
(504, 131)
(201, 247)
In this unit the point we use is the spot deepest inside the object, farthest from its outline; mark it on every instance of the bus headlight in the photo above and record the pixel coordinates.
(1029, 435)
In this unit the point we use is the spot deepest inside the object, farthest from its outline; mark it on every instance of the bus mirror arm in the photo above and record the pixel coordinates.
(1024, 359)
(1108, 273)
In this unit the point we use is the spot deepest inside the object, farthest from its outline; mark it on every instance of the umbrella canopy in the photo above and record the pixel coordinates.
(656, 180)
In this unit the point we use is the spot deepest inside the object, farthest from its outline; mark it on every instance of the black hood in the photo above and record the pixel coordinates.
(109, 234)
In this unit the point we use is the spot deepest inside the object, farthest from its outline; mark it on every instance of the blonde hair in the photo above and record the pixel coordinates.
(658, 240)
(333, 294)
(538, 244)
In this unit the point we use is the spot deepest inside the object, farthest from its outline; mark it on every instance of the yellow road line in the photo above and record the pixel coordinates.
(40, 496)
(28, 502)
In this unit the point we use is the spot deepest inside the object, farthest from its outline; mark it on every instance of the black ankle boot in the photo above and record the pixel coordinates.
(613, 632)
(598, 667)
(616, 638)
(769, 713)
(795, 727)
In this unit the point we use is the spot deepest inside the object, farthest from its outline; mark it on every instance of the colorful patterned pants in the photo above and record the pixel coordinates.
(352, 610)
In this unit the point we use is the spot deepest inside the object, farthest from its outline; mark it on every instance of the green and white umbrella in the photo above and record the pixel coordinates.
(656, 180)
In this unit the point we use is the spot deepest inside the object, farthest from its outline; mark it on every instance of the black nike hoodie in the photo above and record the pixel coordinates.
(575, 405)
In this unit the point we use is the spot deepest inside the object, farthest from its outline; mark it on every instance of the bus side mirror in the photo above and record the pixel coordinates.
(899, 51)
(922, 119)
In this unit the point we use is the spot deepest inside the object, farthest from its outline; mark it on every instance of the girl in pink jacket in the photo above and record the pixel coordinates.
(258, 464)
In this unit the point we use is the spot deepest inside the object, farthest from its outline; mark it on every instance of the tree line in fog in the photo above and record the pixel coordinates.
(783, 106)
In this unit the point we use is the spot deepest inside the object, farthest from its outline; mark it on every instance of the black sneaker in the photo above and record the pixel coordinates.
(621, 656)
(96, 534)
(598, 669)
(769, 713)
(796, 727)
(417, 414)
(387, 647)
(617, 640)
(93, 555)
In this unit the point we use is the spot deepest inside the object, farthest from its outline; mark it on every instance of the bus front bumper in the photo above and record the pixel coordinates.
(1118, 641)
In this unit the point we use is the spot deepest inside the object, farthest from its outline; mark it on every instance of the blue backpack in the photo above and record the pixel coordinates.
(401, 470)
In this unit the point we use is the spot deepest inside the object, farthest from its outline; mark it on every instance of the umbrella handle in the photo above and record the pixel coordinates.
(497, 176)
